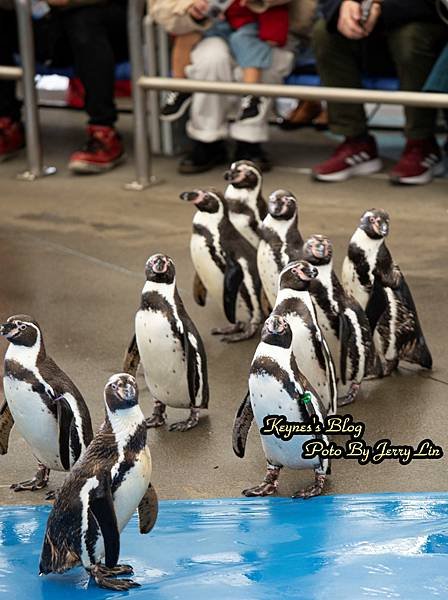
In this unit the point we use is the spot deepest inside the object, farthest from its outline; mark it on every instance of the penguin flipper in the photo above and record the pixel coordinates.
(241, 426)
(377, 303)
(233, 278)
(132, 357)
(199, 291)
(102, 507)
(148, 510)
(192, 374)
(6, 424)
(345, 332)
(65, 419)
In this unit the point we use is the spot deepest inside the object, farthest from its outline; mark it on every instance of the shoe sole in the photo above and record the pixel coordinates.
(177, 115)
(194, 169)
(437, 171)
(366, 168)
(81, 167)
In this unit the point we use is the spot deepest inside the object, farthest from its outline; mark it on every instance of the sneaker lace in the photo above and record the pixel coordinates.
(172, 97)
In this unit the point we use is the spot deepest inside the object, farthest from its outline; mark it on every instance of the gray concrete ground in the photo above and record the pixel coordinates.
(72, 251)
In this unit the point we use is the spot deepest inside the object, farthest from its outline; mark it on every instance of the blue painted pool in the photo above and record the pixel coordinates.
(329, 548)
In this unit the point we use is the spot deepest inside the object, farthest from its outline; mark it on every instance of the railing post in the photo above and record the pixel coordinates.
(26, 47)
(142, 152)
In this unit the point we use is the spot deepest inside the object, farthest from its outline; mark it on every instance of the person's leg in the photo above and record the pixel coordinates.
(339, 64)
(177, 103)
(91, 32)
(207, 127)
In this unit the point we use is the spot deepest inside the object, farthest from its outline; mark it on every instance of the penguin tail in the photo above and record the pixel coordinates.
(418, 353)
(56, 558)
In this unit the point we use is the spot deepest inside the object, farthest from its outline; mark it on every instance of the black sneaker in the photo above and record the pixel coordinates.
(203, 157)
(175, 106)
(253, 108)
(253, 152)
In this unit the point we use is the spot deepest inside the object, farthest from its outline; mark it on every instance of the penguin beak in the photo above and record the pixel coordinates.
(189, 196)
(127, 392)
(384, 228)
(160, 265)
(228, 175)
(7, 329)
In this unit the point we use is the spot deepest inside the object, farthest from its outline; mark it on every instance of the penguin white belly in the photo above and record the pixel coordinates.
(307, 360)
(268, 397)
(213, 278)
(162, 358)
(34, 421)
(352, 285)
(132, 489)
(241, 222)
(268, 271)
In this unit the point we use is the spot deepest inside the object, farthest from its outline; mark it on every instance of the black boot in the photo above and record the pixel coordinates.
(203, 157)
(253, 152)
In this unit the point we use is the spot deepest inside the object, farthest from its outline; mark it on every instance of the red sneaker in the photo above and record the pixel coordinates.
(103, 151)
(352, 157)
(12, 138)
(420, 162)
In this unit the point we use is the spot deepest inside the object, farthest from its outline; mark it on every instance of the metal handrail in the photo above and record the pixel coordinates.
(12, 73)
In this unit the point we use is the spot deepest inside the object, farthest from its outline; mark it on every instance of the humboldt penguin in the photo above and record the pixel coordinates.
(341, 319)
(43, 402)
(101, 493)
(171, 350)
(280, 242)
(310, 348)
(371, 276)
(225, 265)
(277, 386)
(247, 207)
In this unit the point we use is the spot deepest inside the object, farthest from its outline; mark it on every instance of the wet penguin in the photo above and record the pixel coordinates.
(280, 242)
(171, 350)
(247, 207)
(45, 405)
(341, 319)
(225, 265)
(310, 348)
(371, 276)
(277, 386)
(101, 493)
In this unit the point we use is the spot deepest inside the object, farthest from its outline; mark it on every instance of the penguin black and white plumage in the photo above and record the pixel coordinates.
(277, 386)
(281, 241)
(247, 207)
(101, 493)
(341, 319)
(310, 348)
(45, 405)
(171, 350)
(225, 265)
(371, 276)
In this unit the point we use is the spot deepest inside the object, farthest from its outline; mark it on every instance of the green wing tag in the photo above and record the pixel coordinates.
(306, 398)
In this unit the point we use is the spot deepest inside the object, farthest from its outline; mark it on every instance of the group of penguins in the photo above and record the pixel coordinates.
(321, 339)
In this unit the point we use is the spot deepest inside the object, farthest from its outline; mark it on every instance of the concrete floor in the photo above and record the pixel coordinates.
(72, 251)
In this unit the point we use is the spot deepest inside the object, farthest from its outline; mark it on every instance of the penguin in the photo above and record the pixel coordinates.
(225, 265)
(277, 386)
(281, 241)
(247, 207)
(310, 348)
(101, 493)
(371, 276)
(43, 403)
(171, 350)
(341, 319)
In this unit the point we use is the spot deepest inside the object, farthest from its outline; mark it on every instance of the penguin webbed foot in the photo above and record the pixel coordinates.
(39, 481)
(350, 397)
(158, 417)
(104, 577)
(52, 494)
(191, 422)
(237, 332)
(268, 486)
(312, 490)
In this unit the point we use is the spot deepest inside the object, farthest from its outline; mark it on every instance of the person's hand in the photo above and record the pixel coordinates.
(374, 15)
(198, 10)
(348, 22)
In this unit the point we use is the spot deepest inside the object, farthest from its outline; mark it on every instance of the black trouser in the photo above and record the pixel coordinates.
(92, 38)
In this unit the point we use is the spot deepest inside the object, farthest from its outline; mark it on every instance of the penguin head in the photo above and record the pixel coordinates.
(297, 275)
(282, 205)
(243, 174)
(160, 268)
(121, 392)
(318, 250)
(210, 201)
(375, 223)
(21, 330)
(277, 332)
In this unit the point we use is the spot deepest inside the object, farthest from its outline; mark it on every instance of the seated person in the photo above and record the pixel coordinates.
(343, 43)
(210, 58)
(96, 35)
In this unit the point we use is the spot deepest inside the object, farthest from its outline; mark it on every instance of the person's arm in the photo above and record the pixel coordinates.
(180, 16)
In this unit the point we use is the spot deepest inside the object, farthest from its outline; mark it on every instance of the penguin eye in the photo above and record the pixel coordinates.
(372, 219)
(114, 387)
(22, 327)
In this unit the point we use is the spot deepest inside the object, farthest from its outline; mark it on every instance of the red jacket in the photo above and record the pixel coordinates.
(273, 23)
